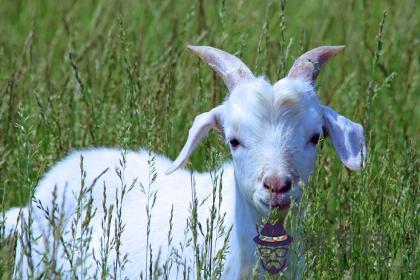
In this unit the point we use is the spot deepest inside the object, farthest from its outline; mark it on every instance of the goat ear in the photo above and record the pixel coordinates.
(200, 128)
(347, 138)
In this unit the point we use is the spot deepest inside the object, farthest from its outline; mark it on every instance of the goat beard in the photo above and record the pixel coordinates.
(276, 216)
(274, 258)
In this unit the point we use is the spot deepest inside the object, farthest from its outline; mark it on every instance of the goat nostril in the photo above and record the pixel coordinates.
(286, 186)
(277, 184)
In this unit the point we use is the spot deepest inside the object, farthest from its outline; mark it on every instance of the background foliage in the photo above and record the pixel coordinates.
(77, 74)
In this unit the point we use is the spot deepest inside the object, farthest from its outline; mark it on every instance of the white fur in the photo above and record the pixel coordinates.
(272, 123)
(173, 190)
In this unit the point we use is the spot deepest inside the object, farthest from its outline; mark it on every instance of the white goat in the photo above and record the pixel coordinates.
(272, 131)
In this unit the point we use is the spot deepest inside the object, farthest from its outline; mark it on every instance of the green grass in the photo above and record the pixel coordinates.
(116, 73)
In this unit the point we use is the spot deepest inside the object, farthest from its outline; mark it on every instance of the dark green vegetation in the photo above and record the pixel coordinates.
(116, 73)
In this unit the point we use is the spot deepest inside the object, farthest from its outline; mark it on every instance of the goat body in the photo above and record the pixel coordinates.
(172, 191)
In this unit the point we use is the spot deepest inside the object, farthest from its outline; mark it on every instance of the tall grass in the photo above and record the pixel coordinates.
(115, 73)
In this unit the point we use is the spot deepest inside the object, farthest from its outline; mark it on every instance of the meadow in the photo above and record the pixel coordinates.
(77, 74)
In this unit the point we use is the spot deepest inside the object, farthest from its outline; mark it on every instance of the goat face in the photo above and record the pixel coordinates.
(273, 130)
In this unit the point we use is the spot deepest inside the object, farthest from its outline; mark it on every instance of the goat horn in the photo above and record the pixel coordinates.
(232, 70)
(308, 65)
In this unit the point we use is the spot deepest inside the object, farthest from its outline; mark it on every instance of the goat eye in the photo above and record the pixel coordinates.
(315, 138)
(234, 143)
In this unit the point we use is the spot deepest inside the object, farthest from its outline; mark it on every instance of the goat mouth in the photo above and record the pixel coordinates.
(277, 205)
